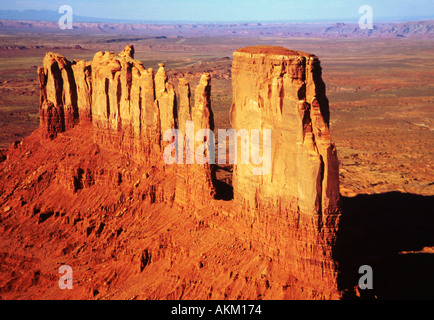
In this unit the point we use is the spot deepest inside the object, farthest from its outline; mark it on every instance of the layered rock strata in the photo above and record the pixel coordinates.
(291, 209)
(190, 173)
(58, 104)
(125, 113)
(129, 109)
(295, 204)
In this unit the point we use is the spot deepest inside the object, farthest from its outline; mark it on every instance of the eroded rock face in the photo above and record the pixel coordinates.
(125, 114)
(128, 109)
(190, 173)
(83, 80)
(58, 104)
(290, 212)
(296, 203)
(283, 91)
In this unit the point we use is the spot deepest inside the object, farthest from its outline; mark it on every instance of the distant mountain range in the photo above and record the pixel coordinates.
(46, 15)
(35, 20)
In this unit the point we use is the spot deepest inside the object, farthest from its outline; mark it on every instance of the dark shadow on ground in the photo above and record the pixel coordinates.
(373, 230)
(222, 182)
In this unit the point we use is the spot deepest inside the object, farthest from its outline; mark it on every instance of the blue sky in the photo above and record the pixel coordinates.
(233, 10)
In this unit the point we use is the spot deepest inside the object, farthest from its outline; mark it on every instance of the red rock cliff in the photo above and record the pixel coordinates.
(58, 106)
(129, 109)
(290, 211)
(295, 204)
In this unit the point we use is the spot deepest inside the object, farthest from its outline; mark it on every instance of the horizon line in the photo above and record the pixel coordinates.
(93, 19)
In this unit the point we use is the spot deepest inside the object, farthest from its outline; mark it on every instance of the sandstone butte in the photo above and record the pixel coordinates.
(96, 193)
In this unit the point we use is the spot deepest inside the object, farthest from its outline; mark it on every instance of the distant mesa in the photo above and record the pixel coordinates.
(140, 30)
(43, 47)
